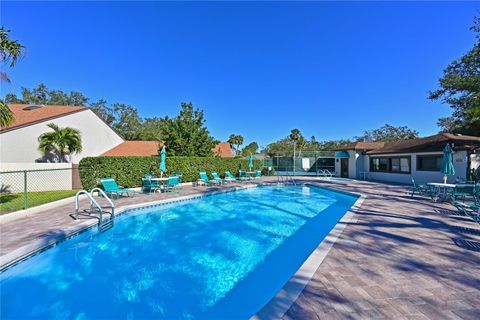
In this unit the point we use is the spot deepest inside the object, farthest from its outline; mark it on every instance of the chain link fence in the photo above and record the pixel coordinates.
(311, 163)
(24, 189)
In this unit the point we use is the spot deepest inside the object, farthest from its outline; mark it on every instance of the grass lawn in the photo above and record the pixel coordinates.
(14, 201)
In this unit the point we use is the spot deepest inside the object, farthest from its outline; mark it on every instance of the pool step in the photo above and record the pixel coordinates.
(105, 225)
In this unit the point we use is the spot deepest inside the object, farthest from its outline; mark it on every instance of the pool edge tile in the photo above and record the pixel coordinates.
(277, 307)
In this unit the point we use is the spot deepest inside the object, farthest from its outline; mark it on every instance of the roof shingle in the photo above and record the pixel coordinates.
(134, 148)
(26, 115)
(430, 144)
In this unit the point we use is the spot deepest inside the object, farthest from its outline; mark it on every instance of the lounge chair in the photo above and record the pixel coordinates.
(111, 187)
(230, 177)
(216, 177)
(206, 180)
(257, 174)
(420, 189)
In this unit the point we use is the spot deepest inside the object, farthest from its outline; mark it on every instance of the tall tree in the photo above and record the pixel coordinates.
(186, 134)
(10, 53)
(42, 95)
(106, 113)
(388, 133)
(128, 122)
(61, 142)
(460, 88)
(152, 128)
(251, 148)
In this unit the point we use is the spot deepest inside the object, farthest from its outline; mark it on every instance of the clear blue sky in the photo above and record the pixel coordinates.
(331, 69)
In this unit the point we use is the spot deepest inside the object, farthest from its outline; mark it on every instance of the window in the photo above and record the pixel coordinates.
(401, 165)
(379, 164)
(429, 162)
(390, 164)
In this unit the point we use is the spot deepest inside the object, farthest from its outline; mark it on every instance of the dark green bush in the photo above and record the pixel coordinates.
(128, 171)
(266, 173)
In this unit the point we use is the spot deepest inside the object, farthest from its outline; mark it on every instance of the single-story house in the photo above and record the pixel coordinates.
(19, 141)
(400, 160)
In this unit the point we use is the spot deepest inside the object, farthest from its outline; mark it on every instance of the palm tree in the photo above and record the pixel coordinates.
(10, 52)
(6, 115)
(61, 141)
(235, 140)
(295, 136)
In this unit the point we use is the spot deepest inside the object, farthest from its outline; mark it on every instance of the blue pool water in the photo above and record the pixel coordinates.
(218, 257)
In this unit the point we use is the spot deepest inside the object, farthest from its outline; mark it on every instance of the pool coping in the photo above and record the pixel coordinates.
(27, 251)
(277, 306)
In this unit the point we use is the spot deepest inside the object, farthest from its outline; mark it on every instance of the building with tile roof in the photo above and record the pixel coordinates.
(19, 141)
(400, 160)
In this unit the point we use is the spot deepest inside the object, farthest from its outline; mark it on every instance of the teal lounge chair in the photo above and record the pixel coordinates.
(257, 174)
(206, 180)
(111, 187)
(216, 177)
(230, 177)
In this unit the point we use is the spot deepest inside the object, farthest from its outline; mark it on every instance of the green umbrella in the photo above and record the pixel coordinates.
(163, 156)
(250, 162)
(447, 163)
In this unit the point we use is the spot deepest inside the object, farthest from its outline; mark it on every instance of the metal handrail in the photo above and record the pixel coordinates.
(103, 194)
(93, 202)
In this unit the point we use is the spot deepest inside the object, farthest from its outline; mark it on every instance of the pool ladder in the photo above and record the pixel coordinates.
(103, 223)
(286, 180)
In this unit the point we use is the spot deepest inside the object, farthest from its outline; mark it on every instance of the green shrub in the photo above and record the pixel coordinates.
(128, 171)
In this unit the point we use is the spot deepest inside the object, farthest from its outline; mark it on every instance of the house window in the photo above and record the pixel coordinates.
(429, 162)
(390, 164)
(379, 164)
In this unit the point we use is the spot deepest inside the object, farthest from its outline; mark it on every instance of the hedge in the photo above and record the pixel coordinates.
(128, 171)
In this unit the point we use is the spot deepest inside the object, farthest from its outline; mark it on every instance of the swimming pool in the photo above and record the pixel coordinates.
(216, 257)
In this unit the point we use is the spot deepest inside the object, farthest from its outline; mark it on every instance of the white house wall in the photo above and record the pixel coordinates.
(460, 164)
(352, 164)
(21, 145)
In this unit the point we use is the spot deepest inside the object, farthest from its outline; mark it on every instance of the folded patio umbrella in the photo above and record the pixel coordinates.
(250, 162)
(163, 157)
(447, 163)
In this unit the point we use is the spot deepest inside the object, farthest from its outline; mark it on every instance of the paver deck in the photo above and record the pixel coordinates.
(401, 257)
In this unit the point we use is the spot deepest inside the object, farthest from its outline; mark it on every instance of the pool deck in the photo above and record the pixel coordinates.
(400, 257)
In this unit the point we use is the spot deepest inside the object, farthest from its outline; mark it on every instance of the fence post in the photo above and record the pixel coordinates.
(25, 200)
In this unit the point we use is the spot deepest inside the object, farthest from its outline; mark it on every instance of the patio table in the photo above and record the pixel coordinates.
(161, 180)
(440, 190)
